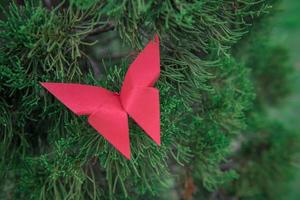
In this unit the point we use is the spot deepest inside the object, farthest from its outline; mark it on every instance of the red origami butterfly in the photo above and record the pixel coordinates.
(107, 111)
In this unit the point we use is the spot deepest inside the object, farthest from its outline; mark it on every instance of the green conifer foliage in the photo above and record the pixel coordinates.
(207, 97)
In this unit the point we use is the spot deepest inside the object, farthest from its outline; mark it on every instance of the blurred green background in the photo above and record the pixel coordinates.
(286, 32)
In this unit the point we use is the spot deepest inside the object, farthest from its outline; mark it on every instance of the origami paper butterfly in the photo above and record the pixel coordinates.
(107, 111)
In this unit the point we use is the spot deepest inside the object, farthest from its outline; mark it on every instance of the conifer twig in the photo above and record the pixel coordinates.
(102, 29)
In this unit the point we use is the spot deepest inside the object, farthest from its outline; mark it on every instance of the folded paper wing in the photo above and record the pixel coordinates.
(103, 107)
(145, 69)
(111, 122)
(143, 107)
(80, 99)
(138, 97)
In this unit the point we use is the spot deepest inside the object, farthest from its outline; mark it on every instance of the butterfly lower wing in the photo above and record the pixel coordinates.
(111, 121)
(81, 99)
(143, 107)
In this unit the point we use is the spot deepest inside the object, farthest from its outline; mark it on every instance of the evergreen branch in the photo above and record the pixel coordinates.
(102, 29)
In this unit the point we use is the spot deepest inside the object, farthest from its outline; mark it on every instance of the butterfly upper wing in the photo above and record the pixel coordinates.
(145, 69)
(105, 112)
(81, 99)
(138, 97)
